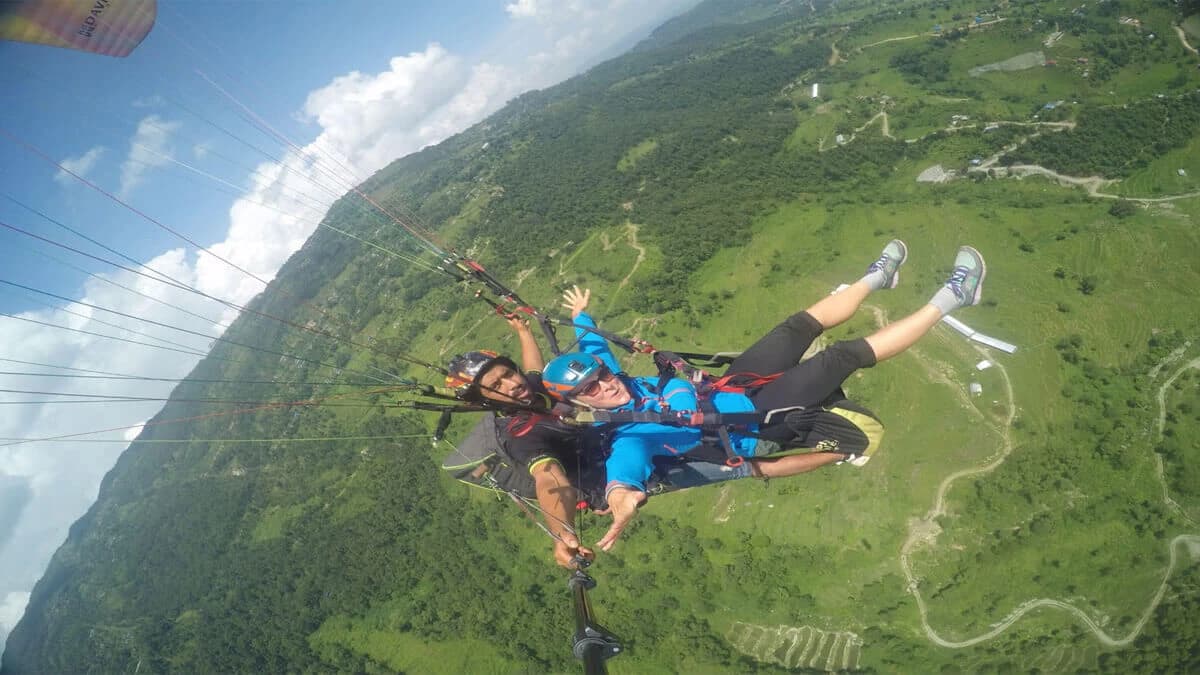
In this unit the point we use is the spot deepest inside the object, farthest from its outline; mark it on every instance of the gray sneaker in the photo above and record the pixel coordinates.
(967, 278)
(893, 256)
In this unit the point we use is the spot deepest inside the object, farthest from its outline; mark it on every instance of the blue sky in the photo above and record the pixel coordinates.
(367, 81)
(269, 54)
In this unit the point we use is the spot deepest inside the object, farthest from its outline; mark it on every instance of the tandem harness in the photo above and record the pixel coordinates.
(840, 426)
(713, 424)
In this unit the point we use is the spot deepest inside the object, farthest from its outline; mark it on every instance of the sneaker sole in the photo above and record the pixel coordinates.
(903, 258)
(982, 274)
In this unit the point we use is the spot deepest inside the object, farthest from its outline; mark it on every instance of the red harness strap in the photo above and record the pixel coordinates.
(738, 383)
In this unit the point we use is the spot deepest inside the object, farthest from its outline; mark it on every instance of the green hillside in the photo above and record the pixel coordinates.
(1050, 524)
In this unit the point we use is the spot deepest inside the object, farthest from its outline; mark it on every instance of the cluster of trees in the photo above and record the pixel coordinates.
(925, 65)
(1116, 141)
(1168, 644)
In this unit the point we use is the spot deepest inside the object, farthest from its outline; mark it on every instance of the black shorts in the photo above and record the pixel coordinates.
(817, 380)
(814, 411)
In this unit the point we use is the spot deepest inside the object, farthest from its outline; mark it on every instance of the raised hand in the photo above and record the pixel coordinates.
(576, 300)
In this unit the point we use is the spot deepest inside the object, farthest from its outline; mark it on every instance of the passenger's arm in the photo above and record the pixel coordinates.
(629, 464)
(623, 503)
(590, 343)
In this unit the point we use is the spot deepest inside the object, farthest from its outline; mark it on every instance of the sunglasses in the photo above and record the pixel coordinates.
(592, 386)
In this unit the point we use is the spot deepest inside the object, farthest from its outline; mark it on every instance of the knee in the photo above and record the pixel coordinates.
(852, 353)
(803, 323)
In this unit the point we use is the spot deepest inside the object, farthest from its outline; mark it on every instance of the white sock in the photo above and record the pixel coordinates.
(877, 280)
(945, 300)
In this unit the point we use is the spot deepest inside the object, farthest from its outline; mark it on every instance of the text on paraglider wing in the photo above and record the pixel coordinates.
(90, 21)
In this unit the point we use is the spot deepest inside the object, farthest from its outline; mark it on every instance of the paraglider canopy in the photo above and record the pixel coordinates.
(112, 27)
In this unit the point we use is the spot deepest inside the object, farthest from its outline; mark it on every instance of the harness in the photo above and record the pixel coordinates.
(714, 425)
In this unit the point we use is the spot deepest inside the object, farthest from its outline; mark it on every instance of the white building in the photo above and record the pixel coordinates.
(816, 90)
(972, 334)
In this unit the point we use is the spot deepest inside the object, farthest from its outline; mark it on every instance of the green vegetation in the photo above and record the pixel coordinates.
(1116, 142)
(703, 148)
(635, 153)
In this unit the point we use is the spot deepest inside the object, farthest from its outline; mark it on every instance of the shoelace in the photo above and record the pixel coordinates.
(957, 277)
(878, 265)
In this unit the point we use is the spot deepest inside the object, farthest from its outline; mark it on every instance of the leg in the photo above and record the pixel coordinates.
(963, 289)
(900, 335)
(838, 425)
(677, 474)
(817, 379)
(837, 308)
(783, 347)
(779, 349)
(794, 464)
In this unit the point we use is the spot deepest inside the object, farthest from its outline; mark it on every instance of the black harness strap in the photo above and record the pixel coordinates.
(675, 418)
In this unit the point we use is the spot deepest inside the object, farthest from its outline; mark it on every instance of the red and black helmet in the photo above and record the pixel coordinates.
(465, 370)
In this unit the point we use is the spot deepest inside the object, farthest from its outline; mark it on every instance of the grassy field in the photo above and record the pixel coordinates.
(843, 529)
(800, 252)
(635, 153)
(1162, 178)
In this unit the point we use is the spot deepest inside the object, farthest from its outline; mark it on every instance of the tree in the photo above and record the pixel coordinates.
(1122, 208)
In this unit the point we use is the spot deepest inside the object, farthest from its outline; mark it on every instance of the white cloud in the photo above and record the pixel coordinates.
(11, 610)
(154, 101)
(149, 148)
(373, 119)
(522, 8)
(426, 96)
(63, 476)
(80, 165)
(201, 150)
(132, 432)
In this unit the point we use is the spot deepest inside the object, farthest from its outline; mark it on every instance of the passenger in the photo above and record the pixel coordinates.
(796, 405)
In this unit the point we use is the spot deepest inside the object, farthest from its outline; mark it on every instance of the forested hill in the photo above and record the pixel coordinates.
(703, 190)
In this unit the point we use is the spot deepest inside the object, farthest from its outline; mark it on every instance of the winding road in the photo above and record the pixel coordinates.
(923, 532)
(1183, 38)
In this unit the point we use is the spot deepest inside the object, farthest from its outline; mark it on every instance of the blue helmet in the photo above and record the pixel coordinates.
(567, 373)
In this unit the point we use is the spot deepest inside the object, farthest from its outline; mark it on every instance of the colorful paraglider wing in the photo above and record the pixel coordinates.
(112, 27)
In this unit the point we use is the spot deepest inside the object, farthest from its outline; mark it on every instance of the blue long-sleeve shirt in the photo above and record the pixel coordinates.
(634, 446)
